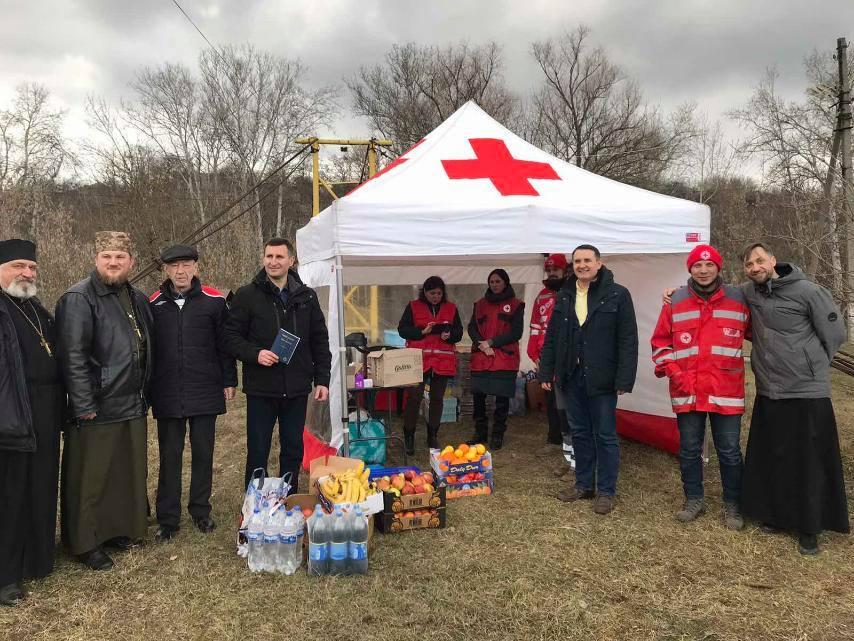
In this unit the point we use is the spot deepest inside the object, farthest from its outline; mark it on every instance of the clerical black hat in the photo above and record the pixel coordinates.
(17, 249)
(179, 252)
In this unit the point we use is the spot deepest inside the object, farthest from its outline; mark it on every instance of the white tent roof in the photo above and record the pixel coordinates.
(429, 203)
(472, 196)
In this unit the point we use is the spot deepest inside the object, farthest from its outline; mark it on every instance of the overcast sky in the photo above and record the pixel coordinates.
(711, 52)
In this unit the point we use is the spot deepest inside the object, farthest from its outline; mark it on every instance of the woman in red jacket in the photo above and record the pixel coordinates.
(495, 328)
(432, 324)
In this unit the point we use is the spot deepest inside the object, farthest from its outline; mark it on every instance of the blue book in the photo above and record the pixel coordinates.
(285, 345)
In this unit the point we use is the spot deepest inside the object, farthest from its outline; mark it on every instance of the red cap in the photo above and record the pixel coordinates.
(704, 252)
(556, 260)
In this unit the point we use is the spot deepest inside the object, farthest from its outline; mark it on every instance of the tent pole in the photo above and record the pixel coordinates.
(342, 354)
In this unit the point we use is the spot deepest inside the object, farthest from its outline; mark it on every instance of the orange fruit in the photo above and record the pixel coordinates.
(458, 453)
(471, 455)
(480, 448)
(463, 448)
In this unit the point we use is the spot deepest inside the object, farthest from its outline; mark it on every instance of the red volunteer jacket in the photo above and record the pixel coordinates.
(492, 320)
(544, 304)
(437, 355)
(697, 344)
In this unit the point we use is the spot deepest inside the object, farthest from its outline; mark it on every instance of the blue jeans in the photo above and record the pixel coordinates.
(593, 423)
(726, 430)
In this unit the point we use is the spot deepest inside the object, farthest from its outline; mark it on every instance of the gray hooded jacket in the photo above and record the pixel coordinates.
(797, 329)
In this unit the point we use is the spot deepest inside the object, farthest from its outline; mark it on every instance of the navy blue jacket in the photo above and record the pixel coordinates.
(191, 366)
(606, 345)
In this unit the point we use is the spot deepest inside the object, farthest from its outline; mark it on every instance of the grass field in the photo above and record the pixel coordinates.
(517, 565)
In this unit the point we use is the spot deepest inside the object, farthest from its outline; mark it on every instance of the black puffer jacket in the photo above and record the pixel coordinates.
(256, 315)
(191, 366)
(97, 351)
(608, 339)
(16, 417)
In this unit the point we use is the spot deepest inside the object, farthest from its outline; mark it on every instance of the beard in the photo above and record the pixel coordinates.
(554, 283)
(22, 289)
(113, 279)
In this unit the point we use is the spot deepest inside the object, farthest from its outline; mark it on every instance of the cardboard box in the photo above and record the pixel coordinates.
(322, 467)
(407, 502)
(454, 491)
(423, 519)
(393, 367)
(443, 468)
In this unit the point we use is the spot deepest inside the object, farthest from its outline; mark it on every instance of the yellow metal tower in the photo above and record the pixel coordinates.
(361, 305)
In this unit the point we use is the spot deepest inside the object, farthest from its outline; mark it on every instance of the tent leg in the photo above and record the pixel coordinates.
(342, 355)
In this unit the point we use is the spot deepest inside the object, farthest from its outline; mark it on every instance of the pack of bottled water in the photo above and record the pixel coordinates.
(337, 542)
(275, 537)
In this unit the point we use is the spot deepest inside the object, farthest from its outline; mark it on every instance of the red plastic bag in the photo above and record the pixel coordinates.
(313, 447)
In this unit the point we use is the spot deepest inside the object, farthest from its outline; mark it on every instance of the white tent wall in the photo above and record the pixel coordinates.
(646, 276)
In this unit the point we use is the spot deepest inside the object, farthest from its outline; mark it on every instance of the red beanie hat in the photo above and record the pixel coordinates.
(556, 260)
(704, 252)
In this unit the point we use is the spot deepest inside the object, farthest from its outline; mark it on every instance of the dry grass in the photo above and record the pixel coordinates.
(518, 565)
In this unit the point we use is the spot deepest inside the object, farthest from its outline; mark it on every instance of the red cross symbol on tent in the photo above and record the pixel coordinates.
(509, 175)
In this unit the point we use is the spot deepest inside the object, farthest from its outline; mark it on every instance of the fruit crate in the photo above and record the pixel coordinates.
(445, 468)
(403, 501)
(430, 518)
(484, 486)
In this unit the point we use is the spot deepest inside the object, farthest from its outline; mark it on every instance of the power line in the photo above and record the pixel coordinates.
(195, 26)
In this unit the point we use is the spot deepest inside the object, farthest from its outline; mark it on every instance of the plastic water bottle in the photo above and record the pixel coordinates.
(358, 556)
(287, 543)
(271, 545)
(255, 533)
(339, 547)
(318, 542)
(299, 520)
(277, 559)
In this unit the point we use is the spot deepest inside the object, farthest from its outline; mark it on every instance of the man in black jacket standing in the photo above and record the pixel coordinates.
(193, 377)
(105, 352)
(32, 399)
(278, 300)
(591, 352)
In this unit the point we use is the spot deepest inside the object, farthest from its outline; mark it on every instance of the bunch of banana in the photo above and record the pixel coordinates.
(348, 487)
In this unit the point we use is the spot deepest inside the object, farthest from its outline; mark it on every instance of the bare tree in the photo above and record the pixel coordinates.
(173, 114)
(260, 107)
(590, 113)
(418, 87)
(710, 160)
(793, 140)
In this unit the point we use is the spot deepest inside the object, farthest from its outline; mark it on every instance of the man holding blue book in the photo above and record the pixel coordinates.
(276, 311)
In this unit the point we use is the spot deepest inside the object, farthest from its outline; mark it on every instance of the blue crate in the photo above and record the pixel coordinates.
(392, 339)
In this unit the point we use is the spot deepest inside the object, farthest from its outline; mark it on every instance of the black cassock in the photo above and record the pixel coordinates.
(29, 480)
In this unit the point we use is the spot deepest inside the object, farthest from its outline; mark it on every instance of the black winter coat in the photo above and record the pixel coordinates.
(608, 338)
(191, 366)
(97, 351)
(16, 419)
(257, 313)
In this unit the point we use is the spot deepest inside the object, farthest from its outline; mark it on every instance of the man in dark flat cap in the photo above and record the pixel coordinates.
(193, 377)
(32, 400)
(105, 351)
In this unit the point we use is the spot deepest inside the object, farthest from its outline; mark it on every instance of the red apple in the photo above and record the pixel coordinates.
(409, 475)
(428, 477)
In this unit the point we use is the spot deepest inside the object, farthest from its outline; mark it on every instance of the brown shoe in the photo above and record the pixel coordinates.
(570, 494)
(603, 504)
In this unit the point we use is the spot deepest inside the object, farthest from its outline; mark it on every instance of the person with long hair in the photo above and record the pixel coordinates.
(495, 328)
(432, 324)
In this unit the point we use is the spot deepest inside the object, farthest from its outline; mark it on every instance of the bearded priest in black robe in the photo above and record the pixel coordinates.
(32, 399)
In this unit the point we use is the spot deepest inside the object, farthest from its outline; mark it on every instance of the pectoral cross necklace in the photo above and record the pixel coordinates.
(36, 329)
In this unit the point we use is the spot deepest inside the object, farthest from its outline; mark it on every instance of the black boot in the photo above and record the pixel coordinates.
(433, 438)
(409, 442)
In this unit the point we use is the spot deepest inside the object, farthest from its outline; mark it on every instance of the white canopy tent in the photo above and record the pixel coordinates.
(472, 196)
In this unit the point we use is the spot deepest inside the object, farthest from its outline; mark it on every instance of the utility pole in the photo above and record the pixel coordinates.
(843, 129)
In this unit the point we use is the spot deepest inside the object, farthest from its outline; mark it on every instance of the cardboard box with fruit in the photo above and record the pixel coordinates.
(340, 481)
(411, 520)
(471, 484)
(463, 459)
(407, 488)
